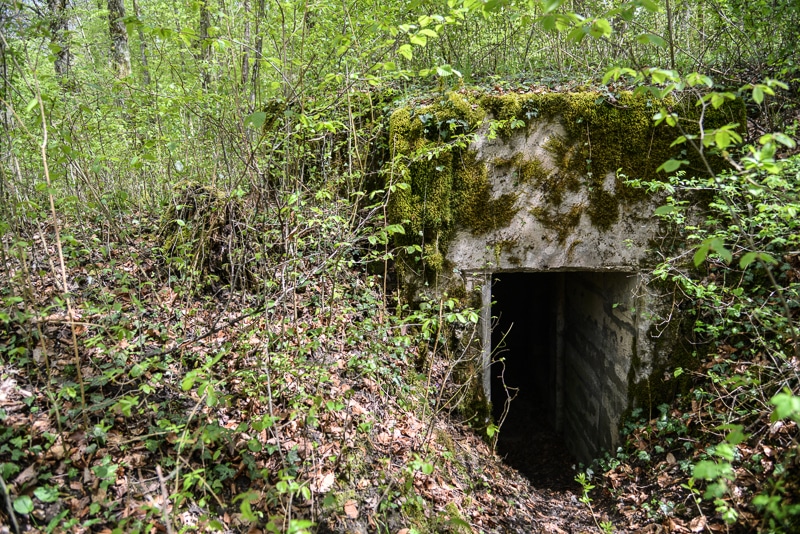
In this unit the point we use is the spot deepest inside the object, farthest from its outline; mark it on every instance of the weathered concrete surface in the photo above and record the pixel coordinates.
(601, 344)
(600, 338)
(529, 244)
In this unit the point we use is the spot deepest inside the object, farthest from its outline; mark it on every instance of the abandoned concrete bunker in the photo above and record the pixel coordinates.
(522, 204)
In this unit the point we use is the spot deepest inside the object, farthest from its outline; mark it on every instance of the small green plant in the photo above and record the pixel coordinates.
(586, 486)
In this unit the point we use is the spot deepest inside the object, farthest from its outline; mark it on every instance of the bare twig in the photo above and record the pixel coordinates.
(165, 500)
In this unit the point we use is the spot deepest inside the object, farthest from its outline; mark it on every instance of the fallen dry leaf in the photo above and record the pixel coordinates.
(351, 509)
(323, 483)
(27, 475)
(698, 524)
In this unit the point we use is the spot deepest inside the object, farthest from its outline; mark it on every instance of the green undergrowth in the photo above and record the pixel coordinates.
(725, 452)
(308, 402)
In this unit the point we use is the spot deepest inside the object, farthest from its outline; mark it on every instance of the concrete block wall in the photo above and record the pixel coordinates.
(599, 338)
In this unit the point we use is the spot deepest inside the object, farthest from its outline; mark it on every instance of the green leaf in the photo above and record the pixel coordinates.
(672, 165)
(548, 6)
(707, 470)
(665, 210)
(679, 140)
(46, 493)
(419, 40)
(211, 396)
(577, 34)
(649, 5)
(701, 255)
(406, 51)
(600, 28)
(256, 120)
(758, 94)
(695, 78)
(784, 139)
(787, 406)
(663, 75)
(189, 380)
(718, 246)
(447, 70)
(549, 22)
(126, 404)
(776, 83)
(736, 434)
(395, 229)
(23, 505)
(747, 259)
(31, 104)
(722, 139)
(651, 38)
(767, 258)
(724, 451)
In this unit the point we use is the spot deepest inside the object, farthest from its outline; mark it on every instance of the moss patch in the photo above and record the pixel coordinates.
(603, 143)
(562, 223)
(445, 185)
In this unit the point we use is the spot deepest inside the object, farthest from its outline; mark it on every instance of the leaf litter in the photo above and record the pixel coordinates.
(238, 412)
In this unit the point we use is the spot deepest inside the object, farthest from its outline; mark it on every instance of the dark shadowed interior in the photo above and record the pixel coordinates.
(524, 337)
(562, 343)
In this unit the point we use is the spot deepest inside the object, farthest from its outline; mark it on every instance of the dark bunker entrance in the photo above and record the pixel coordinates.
(559, 351)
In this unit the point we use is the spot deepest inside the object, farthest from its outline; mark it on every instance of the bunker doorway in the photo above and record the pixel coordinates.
(562, 345)
(525, 376)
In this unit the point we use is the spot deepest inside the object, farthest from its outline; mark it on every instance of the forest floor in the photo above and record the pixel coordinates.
(306, 406)
(207, 411)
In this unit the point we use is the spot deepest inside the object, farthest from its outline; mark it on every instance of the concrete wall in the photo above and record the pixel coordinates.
(529, 244)
(603, 311)
(600, 334)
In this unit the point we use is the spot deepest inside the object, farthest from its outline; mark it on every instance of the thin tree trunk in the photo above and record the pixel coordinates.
(59, 36)
(142, 45)
(120, 50)
(257, 52)
(246, 43)
(5, 202)
(205, 48)
(671, 37)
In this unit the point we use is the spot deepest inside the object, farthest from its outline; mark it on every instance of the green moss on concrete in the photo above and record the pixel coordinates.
(526, 170)
(532, 171)
(603, 208)
(603, 143)
(610, 136)
(446, 185)
(472, 201)
(603, 138)
(562, 223)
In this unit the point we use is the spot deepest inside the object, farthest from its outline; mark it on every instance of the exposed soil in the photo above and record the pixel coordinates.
(528, 444)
